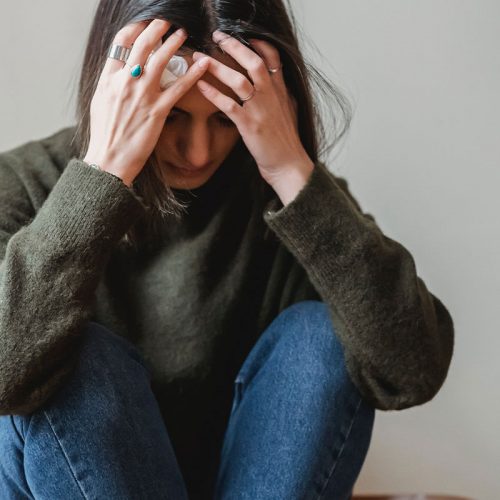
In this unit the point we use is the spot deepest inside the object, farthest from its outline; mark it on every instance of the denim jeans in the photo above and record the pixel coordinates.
(298, 427)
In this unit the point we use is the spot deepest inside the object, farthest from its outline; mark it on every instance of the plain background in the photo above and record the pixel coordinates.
(423, 156)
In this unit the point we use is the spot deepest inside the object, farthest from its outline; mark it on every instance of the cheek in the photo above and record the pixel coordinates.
(227, 139)
(166, 139)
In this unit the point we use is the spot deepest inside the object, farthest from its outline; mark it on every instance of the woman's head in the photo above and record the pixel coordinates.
(195, 133)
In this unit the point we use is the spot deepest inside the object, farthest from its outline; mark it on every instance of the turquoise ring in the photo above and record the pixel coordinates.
(136, 71)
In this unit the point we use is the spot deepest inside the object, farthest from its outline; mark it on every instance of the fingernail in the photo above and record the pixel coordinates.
(181, 32)
(217, 36)
(202, 62)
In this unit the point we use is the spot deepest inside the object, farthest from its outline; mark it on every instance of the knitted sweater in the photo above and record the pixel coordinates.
(196, 305)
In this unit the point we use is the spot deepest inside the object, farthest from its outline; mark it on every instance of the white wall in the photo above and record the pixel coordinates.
(42, 50)
(423, 156)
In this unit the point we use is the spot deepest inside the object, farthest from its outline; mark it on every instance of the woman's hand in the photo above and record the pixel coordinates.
(268, 121)
(128, 114)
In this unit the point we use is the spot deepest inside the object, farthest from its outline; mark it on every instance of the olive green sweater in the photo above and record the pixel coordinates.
(196, 305)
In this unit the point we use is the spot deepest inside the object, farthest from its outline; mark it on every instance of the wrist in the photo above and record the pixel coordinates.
(292, 181)
(106, 166)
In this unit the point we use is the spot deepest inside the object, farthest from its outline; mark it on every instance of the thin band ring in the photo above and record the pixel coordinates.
(275, 70)
(249, 97)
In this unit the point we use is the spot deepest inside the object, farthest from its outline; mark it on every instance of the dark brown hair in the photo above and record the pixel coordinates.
(269, 20)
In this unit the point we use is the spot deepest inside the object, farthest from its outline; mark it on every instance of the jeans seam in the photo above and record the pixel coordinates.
(20, 433)
(341, 450)
(65, 456)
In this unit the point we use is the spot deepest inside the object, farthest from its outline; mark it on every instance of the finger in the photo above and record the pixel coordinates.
(125, 37)
(177, 89)
(159, 60)
(146, 42)
(236, 81)
(229, 106)
(271, 57)
(246, 58)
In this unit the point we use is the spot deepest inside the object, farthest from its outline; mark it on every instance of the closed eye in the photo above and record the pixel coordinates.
(222, 118)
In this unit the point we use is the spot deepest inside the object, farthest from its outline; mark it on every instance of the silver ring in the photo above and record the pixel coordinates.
(274, 70)
(119, 52)
(249, 97)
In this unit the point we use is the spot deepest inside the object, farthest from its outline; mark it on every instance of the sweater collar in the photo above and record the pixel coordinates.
(236, 171)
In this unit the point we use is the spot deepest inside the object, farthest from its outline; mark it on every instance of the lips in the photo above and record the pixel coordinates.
(184, 172)
(190, 170)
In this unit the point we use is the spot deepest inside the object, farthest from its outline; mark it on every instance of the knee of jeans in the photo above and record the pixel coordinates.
(99, 343)
(309, 342)
(11, 445)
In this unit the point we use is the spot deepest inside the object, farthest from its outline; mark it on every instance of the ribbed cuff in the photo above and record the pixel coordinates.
(321, 224)
(87, 205)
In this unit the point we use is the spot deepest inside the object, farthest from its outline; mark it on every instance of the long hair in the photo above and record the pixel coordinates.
(269, 20)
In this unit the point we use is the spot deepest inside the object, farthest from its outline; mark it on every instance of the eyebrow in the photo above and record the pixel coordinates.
(184, 112)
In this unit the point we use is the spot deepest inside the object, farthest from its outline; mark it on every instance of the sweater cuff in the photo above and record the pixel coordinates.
(86, 206)
(321, 219)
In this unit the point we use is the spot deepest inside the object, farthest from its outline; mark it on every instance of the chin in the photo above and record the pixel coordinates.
(188, 184)
(179, 180)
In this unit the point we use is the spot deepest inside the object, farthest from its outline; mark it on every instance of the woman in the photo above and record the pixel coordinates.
(207, 311)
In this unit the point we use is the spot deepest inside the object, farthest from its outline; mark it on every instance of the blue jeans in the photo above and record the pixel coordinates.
(298, 427)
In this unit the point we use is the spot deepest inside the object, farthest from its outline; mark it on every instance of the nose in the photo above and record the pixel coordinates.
(195, 146)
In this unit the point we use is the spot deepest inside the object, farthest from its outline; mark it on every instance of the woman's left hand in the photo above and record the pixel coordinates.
(268, 121)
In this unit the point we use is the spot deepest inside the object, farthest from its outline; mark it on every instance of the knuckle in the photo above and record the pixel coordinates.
(179, 86)
(256, 128)
(123, 40)
(175, 91)
(173, 41)
(159, 23)
(142, 42)
(257, 66)
(128, 33)
(227, 41)
(183, 87)
(241, 82)
(125, 35)
(148, 37)
(231, 107)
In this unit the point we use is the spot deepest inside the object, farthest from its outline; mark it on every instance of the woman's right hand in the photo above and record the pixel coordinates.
(127, 115)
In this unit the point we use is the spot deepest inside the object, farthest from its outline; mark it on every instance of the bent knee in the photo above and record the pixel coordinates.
(309, 340)
(100, 345)
(307, 326)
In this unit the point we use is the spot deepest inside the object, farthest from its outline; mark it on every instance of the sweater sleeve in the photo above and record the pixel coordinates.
(397, 337)
(50, 264)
